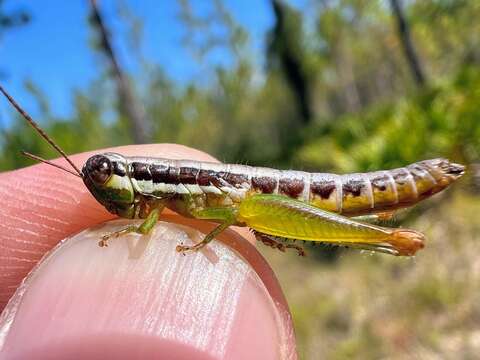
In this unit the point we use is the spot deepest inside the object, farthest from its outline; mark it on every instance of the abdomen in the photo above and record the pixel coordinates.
(220, 185)
(354, 194)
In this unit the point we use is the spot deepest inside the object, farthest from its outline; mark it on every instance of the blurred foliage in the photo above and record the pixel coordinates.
(439, 121)
(332, 93)
(366, 112)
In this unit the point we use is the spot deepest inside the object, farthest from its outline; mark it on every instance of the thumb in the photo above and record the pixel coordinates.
(83, 302)
(87, 302)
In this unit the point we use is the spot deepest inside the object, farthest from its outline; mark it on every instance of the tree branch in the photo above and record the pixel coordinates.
(129, 106)
(406, 40)
(287, 46)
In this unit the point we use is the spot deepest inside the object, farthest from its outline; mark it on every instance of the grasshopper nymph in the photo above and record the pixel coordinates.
(278, 205)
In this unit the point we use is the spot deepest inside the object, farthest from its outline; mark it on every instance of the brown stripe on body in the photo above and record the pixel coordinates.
(221, 175)
(323, 189)
(264, 184)
(208, 175)
(383, 188)
(140, 171)
(159, 173)
(356, 193)
(173, 175)
(216, 179)
(237, 179)
(353, 187)
(184, 172)
(424, 181)
(291, 187)
(203, 177)
(264, 180)
(233, 179)
(232, 182)
(324, 192)
(188, 175)
(380, 182)
(405, 185)
(292, 183)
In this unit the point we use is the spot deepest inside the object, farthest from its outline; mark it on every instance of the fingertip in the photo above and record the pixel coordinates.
(95, 302)
(52, 213)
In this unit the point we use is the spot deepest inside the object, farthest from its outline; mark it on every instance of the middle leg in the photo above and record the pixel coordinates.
(226, 217)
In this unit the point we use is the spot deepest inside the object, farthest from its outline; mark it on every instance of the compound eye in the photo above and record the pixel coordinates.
(99, 169)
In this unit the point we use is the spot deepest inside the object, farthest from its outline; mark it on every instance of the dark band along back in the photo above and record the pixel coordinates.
(264, 184)
(323, 188)
(188, 175)
(203, 178)
(159, 173)
(291, 187)
(380, 182)
(140, 171)
(353, 187)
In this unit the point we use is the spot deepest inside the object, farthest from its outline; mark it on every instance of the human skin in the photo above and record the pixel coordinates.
(137, 298)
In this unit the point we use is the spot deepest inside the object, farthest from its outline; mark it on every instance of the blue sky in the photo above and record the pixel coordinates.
(53, 49)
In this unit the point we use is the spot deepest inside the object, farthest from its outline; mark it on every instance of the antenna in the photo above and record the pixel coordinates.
(42, 134)
(38, 158)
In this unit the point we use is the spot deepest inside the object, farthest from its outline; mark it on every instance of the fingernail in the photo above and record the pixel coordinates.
(138, 299)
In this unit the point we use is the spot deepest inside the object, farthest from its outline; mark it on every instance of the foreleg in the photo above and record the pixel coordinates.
(144, 228)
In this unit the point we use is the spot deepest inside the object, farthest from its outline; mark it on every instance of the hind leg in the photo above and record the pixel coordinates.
(272, 242)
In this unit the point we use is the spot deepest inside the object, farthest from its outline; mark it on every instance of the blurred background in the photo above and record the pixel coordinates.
(327, 85)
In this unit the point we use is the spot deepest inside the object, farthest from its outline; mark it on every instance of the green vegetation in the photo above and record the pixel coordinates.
(347, 103)
(337, 93)
(439, 121)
